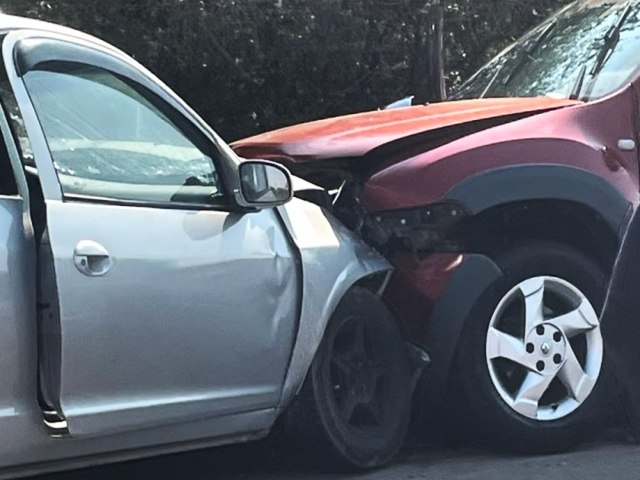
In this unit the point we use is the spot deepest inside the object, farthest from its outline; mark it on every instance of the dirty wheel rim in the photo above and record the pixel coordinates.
(359, 375)
(544, 348)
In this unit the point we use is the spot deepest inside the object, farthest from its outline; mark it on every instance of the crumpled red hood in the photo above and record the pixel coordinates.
(355, 135)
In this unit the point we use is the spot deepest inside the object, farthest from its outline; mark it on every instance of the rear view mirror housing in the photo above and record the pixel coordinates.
(263, 184)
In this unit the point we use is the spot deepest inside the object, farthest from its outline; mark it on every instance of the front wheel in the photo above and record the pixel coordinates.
(353, 410)
(531, 368)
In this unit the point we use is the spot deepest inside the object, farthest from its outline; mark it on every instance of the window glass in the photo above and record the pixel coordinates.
(108, 140)
(548, 60)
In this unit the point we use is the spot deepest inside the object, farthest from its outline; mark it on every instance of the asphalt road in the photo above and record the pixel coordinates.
(609, 458)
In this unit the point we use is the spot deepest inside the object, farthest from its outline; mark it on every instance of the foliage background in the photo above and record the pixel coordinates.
(254, 65)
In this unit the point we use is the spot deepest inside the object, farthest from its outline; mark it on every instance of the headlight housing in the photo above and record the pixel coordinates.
(429, 228)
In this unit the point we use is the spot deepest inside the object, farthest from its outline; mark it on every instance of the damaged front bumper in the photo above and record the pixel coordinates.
(431, 228)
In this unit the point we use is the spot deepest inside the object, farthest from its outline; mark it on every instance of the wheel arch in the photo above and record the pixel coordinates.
(502, 227)
(551, 194)
(543, 182)
(332, 261)
(314, 317)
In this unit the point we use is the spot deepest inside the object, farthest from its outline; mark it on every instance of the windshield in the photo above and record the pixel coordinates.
(549, 60)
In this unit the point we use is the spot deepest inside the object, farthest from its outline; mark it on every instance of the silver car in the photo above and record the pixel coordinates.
(159, 294)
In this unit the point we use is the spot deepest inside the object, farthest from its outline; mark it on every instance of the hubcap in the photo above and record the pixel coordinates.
(544, 348)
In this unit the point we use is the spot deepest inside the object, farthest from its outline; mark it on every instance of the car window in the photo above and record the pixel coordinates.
(112, 139)
(548, 60)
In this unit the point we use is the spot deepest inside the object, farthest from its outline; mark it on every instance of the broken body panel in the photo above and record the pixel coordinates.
(436, 187)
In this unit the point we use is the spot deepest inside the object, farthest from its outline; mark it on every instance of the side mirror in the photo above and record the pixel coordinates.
(264, 184)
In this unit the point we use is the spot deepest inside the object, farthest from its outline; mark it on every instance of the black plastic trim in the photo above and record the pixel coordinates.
(164, 205)
(468, 283)
(36, 53)
(543, 182)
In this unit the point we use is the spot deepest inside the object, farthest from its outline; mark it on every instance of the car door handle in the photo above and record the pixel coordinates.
(91, 258)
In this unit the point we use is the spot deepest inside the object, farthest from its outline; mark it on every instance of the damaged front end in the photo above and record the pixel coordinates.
(432, 228)
(343, 154)
(332, 260)
(439, 227)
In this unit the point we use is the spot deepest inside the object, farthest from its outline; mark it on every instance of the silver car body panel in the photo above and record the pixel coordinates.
(188, 272)
(181, 325)
(32, 452)
(223, 379)
(18, 345)
(333, 261)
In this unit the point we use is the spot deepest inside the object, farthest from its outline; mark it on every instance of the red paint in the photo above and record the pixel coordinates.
(415, 288)
(355, 135)
(564, 132)
(573, 136)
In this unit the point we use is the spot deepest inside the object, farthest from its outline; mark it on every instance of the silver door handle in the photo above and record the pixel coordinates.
(91, 258)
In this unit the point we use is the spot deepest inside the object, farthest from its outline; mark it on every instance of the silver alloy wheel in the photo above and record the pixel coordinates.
(544, 348)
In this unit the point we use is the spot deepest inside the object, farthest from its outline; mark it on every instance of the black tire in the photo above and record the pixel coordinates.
(474, 396)
(316, 423)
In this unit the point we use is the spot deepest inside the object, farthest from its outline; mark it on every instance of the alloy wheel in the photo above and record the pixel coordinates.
(544, 348)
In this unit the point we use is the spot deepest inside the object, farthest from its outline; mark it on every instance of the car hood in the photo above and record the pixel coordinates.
(355, 135)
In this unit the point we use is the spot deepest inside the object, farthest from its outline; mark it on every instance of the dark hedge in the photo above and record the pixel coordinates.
(254, 65)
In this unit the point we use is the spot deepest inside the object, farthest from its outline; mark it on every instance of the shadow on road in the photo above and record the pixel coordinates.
(261, 460)
(232, 462)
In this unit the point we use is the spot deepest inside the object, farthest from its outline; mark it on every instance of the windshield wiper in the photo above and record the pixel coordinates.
(611, 39)
(522, 58)
(528, 52)
(577, 86)
(491, 82)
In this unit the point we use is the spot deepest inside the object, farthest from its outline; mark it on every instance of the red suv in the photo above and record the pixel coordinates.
(502, 211)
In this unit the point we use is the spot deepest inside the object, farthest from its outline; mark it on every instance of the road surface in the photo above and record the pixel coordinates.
(612, 458)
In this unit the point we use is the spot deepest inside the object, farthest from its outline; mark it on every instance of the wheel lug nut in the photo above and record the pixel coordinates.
(540, 365)
(540, 329)
(530, 347)
(557, 358)
(557, 336)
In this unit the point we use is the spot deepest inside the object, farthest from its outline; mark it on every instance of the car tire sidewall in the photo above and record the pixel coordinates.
(493, 417)
(358, 451)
